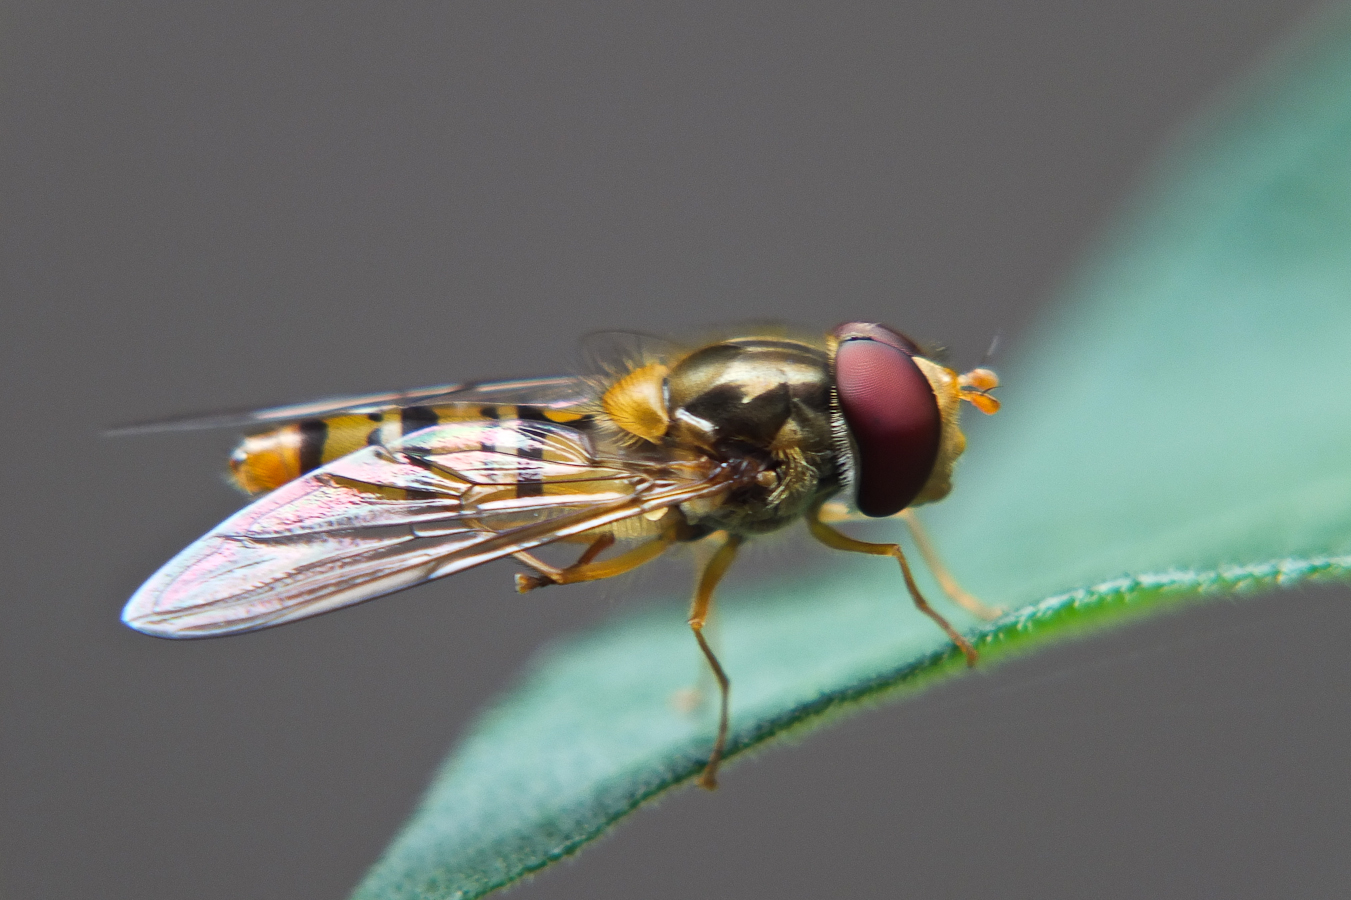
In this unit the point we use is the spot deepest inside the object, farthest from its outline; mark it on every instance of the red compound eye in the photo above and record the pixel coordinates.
(892, 414)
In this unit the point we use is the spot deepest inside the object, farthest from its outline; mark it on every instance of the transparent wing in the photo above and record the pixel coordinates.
(382, 519)
(612, 353)
(556, 392)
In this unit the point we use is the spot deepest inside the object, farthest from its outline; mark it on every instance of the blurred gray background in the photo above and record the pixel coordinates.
(224, 205)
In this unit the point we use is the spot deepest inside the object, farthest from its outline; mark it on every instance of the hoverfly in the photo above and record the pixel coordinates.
(666, 444)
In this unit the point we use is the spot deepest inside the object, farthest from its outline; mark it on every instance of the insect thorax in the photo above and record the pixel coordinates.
(762, 402)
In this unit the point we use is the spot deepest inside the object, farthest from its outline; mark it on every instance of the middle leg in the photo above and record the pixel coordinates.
(703, 602)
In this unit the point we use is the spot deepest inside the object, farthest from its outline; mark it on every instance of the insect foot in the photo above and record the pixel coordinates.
(526, 583)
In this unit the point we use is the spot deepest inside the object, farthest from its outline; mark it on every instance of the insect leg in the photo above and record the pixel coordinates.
(832, 538)
(955, 591)
(548, 574)
(703, 600)
(587, 570)
(598, 546)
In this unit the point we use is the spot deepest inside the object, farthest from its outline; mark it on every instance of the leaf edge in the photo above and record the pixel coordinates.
(1074, 614)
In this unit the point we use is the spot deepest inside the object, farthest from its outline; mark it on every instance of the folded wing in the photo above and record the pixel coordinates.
(386, 518)
(557, 392)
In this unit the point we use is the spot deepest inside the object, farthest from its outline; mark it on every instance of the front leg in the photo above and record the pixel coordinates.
(832, 538)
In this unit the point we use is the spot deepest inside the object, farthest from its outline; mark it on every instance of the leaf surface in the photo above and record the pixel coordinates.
(1181, 427)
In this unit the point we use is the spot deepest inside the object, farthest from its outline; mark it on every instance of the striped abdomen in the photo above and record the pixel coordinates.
(264, 462)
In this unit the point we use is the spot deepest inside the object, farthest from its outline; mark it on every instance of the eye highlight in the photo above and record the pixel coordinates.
(892, 415)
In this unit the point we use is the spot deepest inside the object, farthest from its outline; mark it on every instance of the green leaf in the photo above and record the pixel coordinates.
(1183, 428)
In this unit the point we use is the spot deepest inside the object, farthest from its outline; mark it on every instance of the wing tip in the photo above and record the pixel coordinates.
(137, 617)
(144, 613)
(150, 625)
